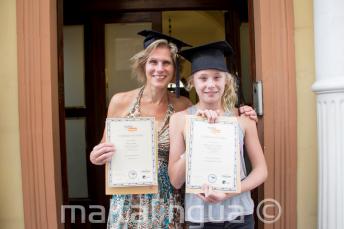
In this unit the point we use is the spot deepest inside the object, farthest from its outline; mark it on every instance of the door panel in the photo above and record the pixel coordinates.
(74, 66)
(74, 99)
(121, 43)
(76, 161)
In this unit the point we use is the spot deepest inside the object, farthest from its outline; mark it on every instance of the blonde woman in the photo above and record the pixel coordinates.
(155, 68)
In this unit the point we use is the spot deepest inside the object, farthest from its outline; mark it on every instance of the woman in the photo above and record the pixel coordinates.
(155, 67)
(216, 91)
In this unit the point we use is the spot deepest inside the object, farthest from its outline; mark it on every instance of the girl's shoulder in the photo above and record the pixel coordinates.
(180, 115)
(245, 122)
(177, 121)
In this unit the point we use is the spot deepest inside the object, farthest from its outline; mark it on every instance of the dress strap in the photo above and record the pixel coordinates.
(192, 110)
(169, 112)
(228, 113)
(134, 111)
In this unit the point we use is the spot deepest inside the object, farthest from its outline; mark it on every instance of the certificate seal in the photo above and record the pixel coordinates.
(132, 174)
(212, 178)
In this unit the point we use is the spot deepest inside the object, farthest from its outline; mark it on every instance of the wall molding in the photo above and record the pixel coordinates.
(38, 113)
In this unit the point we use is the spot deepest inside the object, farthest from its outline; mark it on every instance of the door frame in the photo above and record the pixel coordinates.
(37, 43)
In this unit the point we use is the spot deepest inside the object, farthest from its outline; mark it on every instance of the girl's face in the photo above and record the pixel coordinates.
(159, 68)
(209, 85)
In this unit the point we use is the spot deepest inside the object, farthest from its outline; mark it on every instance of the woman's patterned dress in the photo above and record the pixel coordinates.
(161, 210)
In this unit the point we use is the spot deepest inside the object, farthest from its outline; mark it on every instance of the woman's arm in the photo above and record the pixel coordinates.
(249, 112)
(176, 163)
(103, 152)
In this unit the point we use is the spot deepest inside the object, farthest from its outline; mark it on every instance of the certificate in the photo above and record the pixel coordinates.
(212, 154)
(135, 160)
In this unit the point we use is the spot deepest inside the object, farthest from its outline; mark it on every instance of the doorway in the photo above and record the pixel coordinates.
(98, 42)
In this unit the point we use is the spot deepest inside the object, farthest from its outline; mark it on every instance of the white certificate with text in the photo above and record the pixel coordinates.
(212, 154)
(135, 160)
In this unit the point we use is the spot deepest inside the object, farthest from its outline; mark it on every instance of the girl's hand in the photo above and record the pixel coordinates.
(211, 115)
(102, 153)
(212, 196)
(248, 111)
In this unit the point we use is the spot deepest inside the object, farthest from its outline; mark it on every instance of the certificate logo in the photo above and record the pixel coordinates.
(214, 130)
(212, 178)
(132, 174)
(131, 128)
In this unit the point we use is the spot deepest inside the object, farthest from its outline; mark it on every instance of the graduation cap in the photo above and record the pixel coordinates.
(208, 56)
(151, 36)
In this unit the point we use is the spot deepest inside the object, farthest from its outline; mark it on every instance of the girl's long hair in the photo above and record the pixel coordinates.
(229, 97)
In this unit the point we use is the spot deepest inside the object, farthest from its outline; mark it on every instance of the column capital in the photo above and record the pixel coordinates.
(330, 85)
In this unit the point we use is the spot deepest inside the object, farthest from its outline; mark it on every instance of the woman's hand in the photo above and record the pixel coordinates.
(213, 197)
(211, 115)
(248, 111)
(102, 153)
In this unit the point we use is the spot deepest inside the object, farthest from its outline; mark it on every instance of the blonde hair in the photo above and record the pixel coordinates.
(229, 97)
(139, 60)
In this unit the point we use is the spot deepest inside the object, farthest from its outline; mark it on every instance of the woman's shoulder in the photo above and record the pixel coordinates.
(124, 97)
(120, 102)
(180, 103)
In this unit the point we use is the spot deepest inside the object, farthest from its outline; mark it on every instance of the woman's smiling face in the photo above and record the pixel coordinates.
(159, 67)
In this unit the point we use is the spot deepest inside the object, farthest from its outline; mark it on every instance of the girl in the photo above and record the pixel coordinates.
(216, 91)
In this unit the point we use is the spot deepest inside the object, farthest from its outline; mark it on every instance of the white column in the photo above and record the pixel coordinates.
(329, 87)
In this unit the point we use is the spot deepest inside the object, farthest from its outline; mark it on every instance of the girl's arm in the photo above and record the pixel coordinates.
(255, 153)
(176, 163)
(259, 169)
